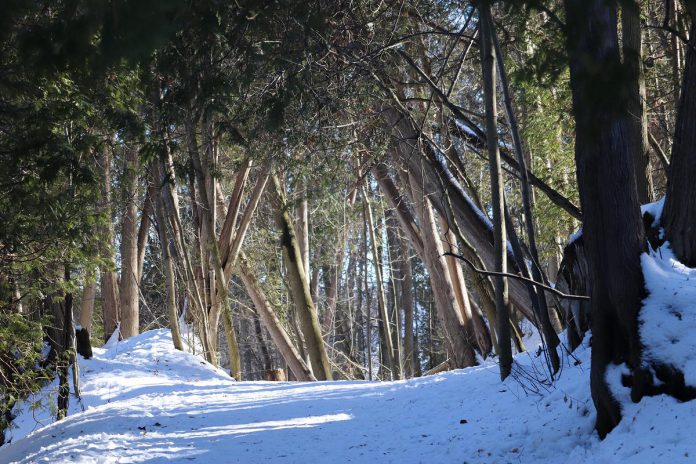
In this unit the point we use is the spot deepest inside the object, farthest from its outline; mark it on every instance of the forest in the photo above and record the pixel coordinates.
(272, 195)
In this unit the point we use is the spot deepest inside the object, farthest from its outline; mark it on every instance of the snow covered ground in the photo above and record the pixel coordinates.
(142, 401)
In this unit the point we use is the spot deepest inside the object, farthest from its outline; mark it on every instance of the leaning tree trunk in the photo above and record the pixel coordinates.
(299, 288)
(426, 241)
(459, 334)
(280, 337)
(612, 228)
(679, 216)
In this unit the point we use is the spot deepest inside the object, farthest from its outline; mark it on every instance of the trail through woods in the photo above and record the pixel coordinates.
(143, 401)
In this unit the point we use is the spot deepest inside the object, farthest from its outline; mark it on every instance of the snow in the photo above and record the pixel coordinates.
(143, 401)
(668, 316)
(654, 209)
(442, 161)
(574, 236)
(658, 429)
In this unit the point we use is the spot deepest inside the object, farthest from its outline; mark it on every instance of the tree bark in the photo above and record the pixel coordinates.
(679, 216)
(459, 336)
(488, 59)
(166, 246)
(538, 296)
(299, 287)
(387, 341)
(218, 283)
(109, 280)
(280, 337)
(612, 227)
(426, 240)
(633, 59)
(144, 229)
(128, 285)
(87, 304)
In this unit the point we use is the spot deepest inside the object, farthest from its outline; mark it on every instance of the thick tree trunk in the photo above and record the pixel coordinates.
(459, 334)
(429, 170)
(502, 307)
(89, 294)
(470, 311)
(61, 336)
(612, 227)
(299, 287)
(679, 216)
(426, 240)
(128, 285)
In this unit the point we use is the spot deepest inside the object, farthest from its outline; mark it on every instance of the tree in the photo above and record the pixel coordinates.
(612, 228)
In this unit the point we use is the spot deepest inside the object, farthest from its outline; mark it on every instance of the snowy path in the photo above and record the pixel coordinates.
(145, 402)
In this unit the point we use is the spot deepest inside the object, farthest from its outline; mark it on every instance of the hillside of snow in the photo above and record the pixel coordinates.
(143, 401)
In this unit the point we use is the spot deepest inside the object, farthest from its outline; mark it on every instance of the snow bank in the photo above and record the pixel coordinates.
(668, 316)
(145, 402)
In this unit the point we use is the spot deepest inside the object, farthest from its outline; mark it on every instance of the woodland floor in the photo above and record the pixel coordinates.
(142, 401)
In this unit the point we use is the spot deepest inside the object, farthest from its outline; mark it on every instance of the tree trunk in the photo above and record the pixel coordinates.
(396, 279)
(459, 337)
(218, 284)
(302, 229)
(537, 296)
(144, 229)
(170, 202)
(128, 285)
(426, 240)
(299, 287)
(280, 337)
(109, 280)
(62, 341)
(87, 304)
(679, 216)
(232, 252)
(612, 227)
(406, 289)
(488, 59)
(633, 61)
(386, 338)
(166, 246)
